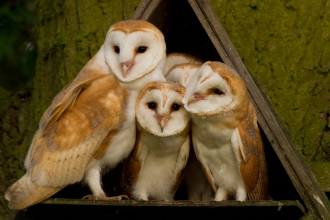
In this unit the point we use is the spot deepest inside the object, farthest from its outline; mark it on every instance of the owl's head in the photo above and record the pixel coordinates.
(135, 49)
(159, 109)
(216, 89)
(181, 73)
(175, 58)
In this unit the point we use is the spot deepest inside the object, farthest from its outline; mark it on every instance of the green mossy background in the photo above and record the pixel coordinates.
(284, 45)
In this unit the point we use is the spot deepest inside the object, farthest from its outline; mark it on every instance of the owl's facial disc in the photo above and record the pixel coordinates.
(162, 121)
(133, 55)
(196, 97)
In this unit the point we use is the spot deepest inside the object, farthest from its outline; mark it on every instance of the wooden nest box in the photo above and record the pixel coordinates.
(191, 26)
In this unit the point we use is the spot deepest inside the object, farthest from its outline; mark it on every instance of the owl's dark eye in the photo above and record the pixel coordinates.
(218, 92)
(142, 49)
(176, 107)
(116, 49)
(152, 105)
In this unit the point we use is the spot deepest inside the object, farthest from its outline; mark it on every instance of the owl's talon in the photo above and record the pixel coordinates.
(92, 197)
(89, 197)
(124, 197)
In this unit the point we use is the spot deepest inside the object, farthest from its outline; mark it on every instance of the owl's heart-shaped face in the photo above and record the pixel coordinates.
(215, 89)
(160, 111)
(135, 50)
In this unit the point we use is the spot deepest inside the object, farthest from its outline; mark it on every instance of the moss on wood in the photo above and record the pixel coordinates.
(13, 131)
(285, 46)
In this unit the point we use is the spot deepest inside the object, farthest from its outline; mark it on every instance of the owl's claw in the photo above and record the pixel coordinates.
(94, 198)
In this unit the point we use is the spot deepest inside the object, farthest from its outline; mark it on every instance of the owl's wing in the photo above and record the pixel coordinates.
(181, 163)
(247, 139)
(73, 128)
(65, 99)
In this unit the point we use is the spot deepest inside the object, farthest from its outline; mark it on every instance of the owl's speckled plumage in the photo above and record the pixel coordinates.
(91, 122)
(225, 133)
(155, 168)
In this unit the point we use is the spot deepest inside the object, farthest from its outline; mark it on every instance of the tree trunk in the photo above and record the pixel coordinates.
(69, 34)
(285, 46)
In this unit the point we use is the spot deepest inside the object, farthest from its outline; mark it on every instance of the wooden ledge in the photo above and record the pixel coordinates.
(56, 208)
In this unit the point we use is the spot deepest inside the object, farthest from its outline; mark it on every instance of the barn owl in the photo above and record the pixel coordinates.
(155, 167)
(198, 189)
(90, 124)
(174, 59)
(225, 133)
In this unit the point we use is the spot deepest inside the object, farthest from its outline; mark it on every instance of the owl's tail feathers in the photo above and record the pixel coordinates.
(25, 193)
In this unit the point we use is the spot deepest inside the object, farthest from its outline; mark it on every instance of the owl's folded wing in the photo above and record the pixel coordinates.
(73, 129)
(253, 165)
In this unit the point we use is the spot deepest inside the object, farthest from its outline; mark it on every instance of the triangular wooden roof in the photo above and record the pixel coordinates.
(186, 32)
(192, 27)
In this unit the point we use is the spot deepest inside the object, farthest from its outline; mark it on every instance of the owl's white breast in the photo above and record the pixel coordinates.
(163, 146)
(214, 149)
(210, 129)
(158, 173)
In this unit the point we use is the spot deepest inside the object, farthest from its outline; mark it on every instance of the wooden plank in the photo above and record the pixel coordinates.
(145, 9)
(76, 209)
(300, 174)
(181, 203)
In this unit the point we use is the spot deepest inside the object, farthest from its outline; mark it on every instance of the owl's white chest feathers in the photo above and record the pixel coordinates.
(212, 144)
(158, 172)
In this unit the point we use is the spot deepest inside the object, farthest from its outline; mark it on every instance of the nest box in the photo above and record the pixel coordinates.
(191, 26)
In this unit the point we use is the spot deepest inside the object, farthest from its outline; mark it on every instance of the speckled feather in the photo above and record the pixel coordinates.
(253, 160)
(68, 138)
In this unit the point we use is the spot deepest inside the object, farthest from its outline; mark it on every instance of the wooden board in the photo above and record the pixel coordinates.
(83, 209)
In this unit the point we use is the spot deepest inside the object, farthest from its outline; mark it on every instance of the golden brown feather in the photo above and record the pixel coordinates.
(253, 163)
(57, 153)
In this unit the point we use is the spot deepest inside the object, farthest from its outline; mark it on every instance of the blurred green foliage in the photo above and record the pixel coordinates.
(18, 47)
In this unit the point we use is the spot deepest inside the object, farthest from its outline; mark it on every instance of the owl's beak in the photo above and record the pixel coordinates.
(162, 120)
(196, 97)
(127, 66)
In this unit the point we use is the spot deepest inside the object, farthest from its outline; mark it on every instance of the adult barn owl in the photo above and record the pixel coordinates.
(174, 59)
(225, 133)
(198, 189)
(155, 167)
(90, 124)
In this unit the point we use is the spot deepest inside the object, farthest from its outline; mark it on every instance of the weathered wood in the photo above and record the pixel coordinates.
(76, 209)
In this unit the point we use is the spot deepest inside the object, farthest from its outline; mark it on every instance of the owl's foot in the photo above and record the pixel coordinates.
(112, 198)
